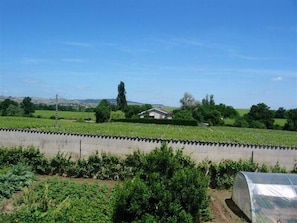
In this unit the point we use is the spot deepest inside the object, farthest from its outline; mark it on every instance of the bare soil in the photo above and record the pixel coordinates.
(222, 207)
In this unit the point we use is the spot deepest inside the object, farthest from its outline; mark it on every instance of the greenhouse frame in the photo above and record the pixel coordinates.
(266, 197)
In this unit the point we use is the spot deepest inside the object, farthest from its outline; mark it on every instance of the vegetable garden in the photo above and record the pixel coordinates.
(161, 183)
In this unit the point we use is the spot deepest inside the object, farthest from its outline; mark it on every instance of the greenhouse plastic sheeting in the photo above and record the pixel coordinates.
(266, 197)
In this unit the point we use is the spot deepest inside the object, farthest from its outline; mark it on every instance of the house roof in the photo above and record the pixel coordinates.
(158, 110)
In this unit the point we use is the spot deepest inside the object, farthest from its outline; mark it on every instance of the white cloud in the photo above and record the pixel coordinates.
(277, 79)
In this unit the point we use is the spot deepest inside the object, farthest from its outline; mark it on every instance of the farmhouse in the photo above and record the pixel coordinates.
(155, 113)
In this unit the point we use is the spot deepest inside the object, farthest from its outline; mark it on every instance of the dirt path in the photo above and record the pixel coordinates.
(223, 209)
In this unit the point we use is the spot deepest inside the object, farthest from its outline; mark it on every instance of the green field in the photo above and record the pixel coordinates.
(209, 134)
(65, 114)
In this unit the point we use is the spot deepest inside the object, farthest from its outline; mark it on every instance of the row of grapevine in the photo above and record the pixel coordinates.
(213, 134)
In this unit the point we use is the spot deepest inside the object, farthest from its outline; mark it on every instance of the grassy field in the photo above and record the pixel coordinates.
(242, 111)
(65, 114)
(210, 134)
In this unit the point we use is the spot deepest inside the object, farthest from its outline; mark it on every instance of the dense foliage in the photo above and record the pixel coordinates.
(15, 179)
(161, 186)
(260, 116)
(12, 108)
(121, 98)
(102, 111)
(167, 188)
(161, 121)
(110, 167)
(291, 123)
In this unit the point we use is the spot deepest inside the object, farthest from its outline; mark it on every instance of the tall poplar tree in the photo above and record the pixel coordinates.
(121, 98)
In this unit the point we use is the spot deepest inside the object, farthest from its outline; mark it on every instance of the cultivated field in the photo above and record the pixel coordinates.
(65, 115)
(209, 134)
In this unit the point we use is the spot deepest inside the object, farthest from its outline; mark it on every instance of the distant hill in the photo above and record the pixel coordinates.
(85, 102)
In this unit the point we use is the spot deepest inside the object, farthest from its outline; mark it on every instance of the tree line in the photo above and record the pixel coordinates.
(259, 116)
(205, 112)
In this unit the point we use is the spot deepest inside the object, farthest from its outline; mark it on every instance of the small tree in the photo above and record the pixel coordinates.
(121, 98)
(102, 111)
(291, 123)
(280, 113)
(28, 106)
(258, 114)
(6, 107)
(167, 188)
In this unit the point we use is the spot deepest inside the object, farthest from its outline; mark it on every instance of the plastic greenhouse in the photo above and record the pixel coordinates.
(266, 197)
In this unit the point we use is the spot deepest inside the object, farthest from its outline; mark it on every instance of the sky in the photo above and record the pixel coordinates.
(242, 52)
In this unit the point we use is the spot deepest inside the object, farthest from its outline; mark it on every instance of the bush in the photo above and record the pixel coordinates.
(15, 179)
(168, 188)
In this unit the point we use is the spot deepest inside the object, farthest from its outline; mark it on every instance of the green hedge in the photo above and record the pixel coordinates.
(160, 121)
(106, 166)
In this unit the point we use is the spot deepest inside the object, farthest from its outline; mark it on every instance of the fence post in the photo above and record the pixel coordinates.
(80, 149)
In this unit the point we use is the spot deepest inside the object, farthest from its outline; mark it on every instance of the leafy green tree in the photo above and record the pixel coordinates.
(102, 111)
(167, 188)
(258, 114)
(291, 123)
(209, 111)
(4, 107)
(14, 110)
(117, 115)
(280, 113)
(121, 98)
(214, 118)
(226, 111)
(28, 106)
(180, 114)
(208, 102)
(132, 111)
(241, 122)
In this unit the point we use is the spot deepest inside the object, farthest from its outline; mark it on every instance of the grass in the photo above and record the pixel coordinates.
(242, 111)
(211, 134)
(65, 114)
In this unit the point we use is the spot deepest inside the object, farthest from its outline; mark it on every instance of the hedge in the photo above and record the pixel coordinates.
(160, 121)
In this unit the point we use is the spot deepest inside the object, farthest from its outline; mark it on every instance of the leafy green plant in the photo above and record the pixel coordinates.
(57, 200)
(168, 188)
(278, 169)
(60, 163)
(15, 179)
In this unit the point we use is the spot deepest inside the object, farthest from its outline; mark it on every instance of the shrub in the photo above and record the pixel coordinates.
(168, 188)
(15, 179)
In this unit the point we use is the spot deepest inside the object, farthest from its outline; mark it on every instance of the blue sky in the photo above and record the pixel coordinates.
(243, 52)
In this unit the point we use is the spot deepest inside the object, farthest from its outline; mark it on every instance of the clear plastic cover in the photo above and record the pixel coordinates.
(266, 197)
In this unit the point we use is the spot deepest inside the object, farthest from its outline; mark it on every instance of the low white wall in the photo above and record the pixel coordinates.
(81, 145)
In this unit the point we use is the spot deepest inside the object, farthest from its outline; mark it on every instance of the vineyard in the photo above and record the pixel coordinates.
(208, 134)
